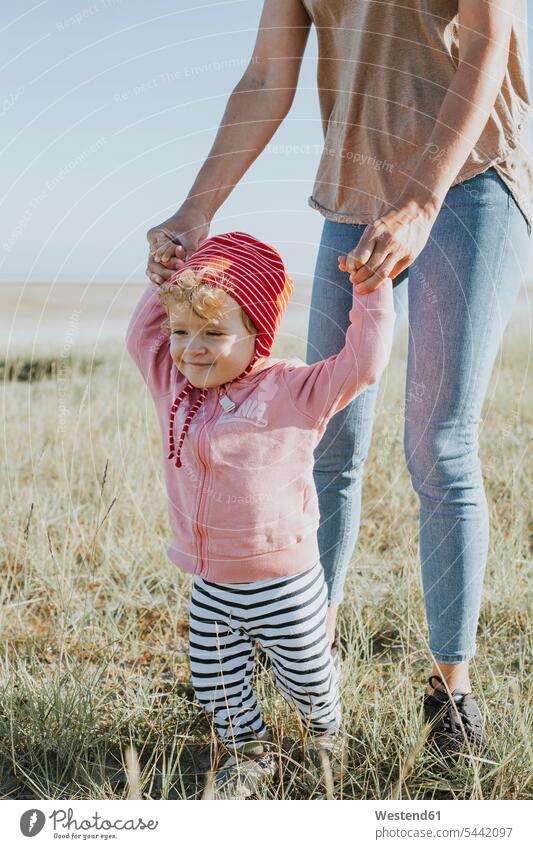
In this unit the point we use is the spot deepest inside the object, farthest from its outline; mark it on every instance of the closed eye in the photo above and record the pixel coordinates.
(209, 332)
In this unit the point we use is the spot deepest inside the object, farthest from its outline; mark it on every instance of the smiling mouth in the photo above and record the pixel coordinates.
(199, 365)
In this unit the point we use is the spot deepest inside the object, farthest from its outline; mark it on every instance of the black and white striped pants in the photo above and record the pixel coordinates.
(287, 616)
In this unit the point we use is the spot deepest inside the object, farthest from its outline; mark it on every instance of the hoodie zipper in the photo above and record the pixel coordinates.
(203, 484)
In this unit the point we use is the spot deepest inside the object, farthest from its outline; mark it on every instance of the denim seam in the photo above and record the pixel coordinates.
(459, 657)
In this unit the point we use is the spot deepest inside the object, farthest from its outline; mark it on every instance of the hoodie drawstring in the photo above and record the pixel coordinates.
(190, 415)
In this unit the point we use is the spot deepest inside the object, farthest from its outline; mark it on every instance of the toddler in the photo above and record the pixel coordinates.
(241, 428)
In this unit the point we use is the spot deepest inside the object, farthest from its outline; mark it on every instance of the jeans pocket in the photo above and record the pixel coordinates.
(485, 192)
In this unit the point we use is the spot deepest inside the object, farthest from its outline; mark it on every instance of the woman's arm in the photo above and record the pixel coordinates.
(392, 242)
(255, 109)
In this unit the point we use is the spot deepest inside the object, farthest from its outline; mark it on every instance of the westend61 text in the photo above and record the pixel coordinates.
(407, 815)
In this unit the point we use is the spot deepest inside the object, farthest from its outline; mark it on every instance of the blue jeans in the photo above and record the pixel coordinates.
(461, 290)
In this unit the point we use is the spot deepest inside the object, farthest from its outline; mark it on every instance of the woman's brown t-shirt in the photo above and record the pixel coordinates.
(383, 71)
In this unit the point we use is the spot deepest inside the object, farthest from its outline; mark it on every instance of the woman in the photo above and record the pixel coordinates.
(426, 177)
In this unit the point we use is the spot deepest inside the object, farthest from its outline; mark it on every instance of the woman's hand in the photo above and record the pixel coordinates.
(388, 246)
(172, 241)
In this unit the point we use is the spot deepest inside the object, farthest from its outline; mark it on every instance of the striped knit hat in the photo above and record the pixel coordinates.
(255, 277)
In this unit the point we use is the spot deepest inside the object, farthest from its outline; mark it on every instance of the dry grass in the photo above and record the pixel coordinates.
(93, 672)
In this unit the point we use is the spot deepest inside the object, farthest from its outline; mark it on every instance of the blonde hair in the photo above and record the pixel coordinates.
(205, 300)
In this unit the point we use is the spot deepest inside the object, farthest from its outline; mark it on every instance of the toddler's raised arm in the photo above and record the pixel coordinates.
(322, 389)
(148, 345)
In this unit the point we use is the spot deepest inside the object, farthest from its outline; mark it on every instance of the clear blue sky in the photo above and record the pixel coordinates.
(108, 109)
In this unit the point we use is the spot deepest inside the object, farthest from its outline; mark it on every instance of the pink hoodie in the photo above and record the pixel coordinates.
(243, 506)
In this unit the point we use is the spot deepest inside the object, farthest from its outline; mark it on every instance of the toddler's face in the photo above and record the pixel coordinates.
(210, 352)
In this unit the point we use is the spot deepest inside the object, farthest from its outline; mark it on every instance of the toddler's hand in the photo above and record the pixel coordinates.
(361, 290)
(173, 240)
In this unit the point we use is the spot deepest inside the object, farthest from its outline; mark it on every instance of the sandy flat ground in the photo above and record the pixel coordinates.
(50, 317)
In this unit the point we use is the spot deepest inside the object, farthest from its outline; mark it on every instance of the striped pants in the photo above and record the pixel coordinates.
(287, 617)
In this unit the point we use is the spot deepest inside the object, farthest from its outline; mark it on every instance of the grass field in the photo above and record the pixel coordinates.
(94, 616)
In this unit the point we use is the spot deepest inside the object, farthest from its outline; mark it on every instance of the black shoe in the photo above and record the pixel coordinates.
(452, 718)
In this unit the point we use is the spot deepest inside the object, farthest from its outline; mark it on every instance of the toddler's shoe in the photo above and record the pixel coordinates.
(245, 772)
(455, 722)
(327, 754)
